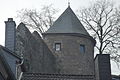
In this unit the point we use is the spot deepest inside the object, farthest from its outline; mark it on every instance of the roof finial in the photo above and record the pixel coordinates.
(68, 3)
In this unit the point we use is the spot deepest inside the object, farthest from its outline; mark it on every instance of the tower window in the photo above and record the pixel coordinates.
(57, 46)
(82, 48)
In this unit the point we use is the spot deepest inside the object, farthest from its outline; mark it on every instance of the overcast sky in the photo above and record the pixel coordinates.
(9, 8)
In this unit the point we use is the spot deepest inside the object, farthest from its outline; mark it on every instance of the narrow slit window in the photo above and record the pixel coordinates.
(57, 46)
(82, 48)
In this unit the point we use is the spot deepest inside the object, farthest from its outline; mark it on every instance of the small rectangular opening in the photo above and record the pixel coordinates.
(82, 48)
(57, 46)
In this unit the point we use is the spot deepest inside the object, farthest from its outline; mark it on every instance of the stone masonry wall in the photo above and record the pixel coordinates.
(69, 59)
(102, 67)
(37, 57)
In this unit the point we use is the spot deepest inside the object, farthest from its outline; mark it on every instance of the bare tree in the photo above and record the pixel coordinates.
(38, 20)
(102, 22)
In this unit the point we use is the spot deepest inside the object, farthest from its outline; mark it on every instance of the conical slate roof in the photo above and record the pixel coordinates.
(67, 23)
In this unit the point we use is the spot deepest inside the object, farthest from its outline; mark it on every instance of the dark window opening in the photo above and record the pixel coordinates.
(57, 46)
(82, 48)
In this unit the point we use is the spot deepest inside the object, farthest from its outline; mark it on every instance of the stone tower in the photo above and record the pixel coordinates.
(10, 32)
(71, 44)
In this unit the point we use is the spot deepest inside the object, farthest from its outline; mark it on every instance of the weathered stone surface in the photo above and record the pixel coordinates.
(102, 67)
(68, 33)
(69, 59)
(37, 57)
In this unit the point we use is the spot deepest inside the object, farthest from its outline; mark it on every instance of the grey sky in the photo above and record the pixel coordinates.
(8, 9)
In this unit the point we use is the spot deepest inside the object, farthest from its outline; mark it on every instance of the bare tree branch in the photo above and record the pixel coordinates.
(38, 20)
(103, 20)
